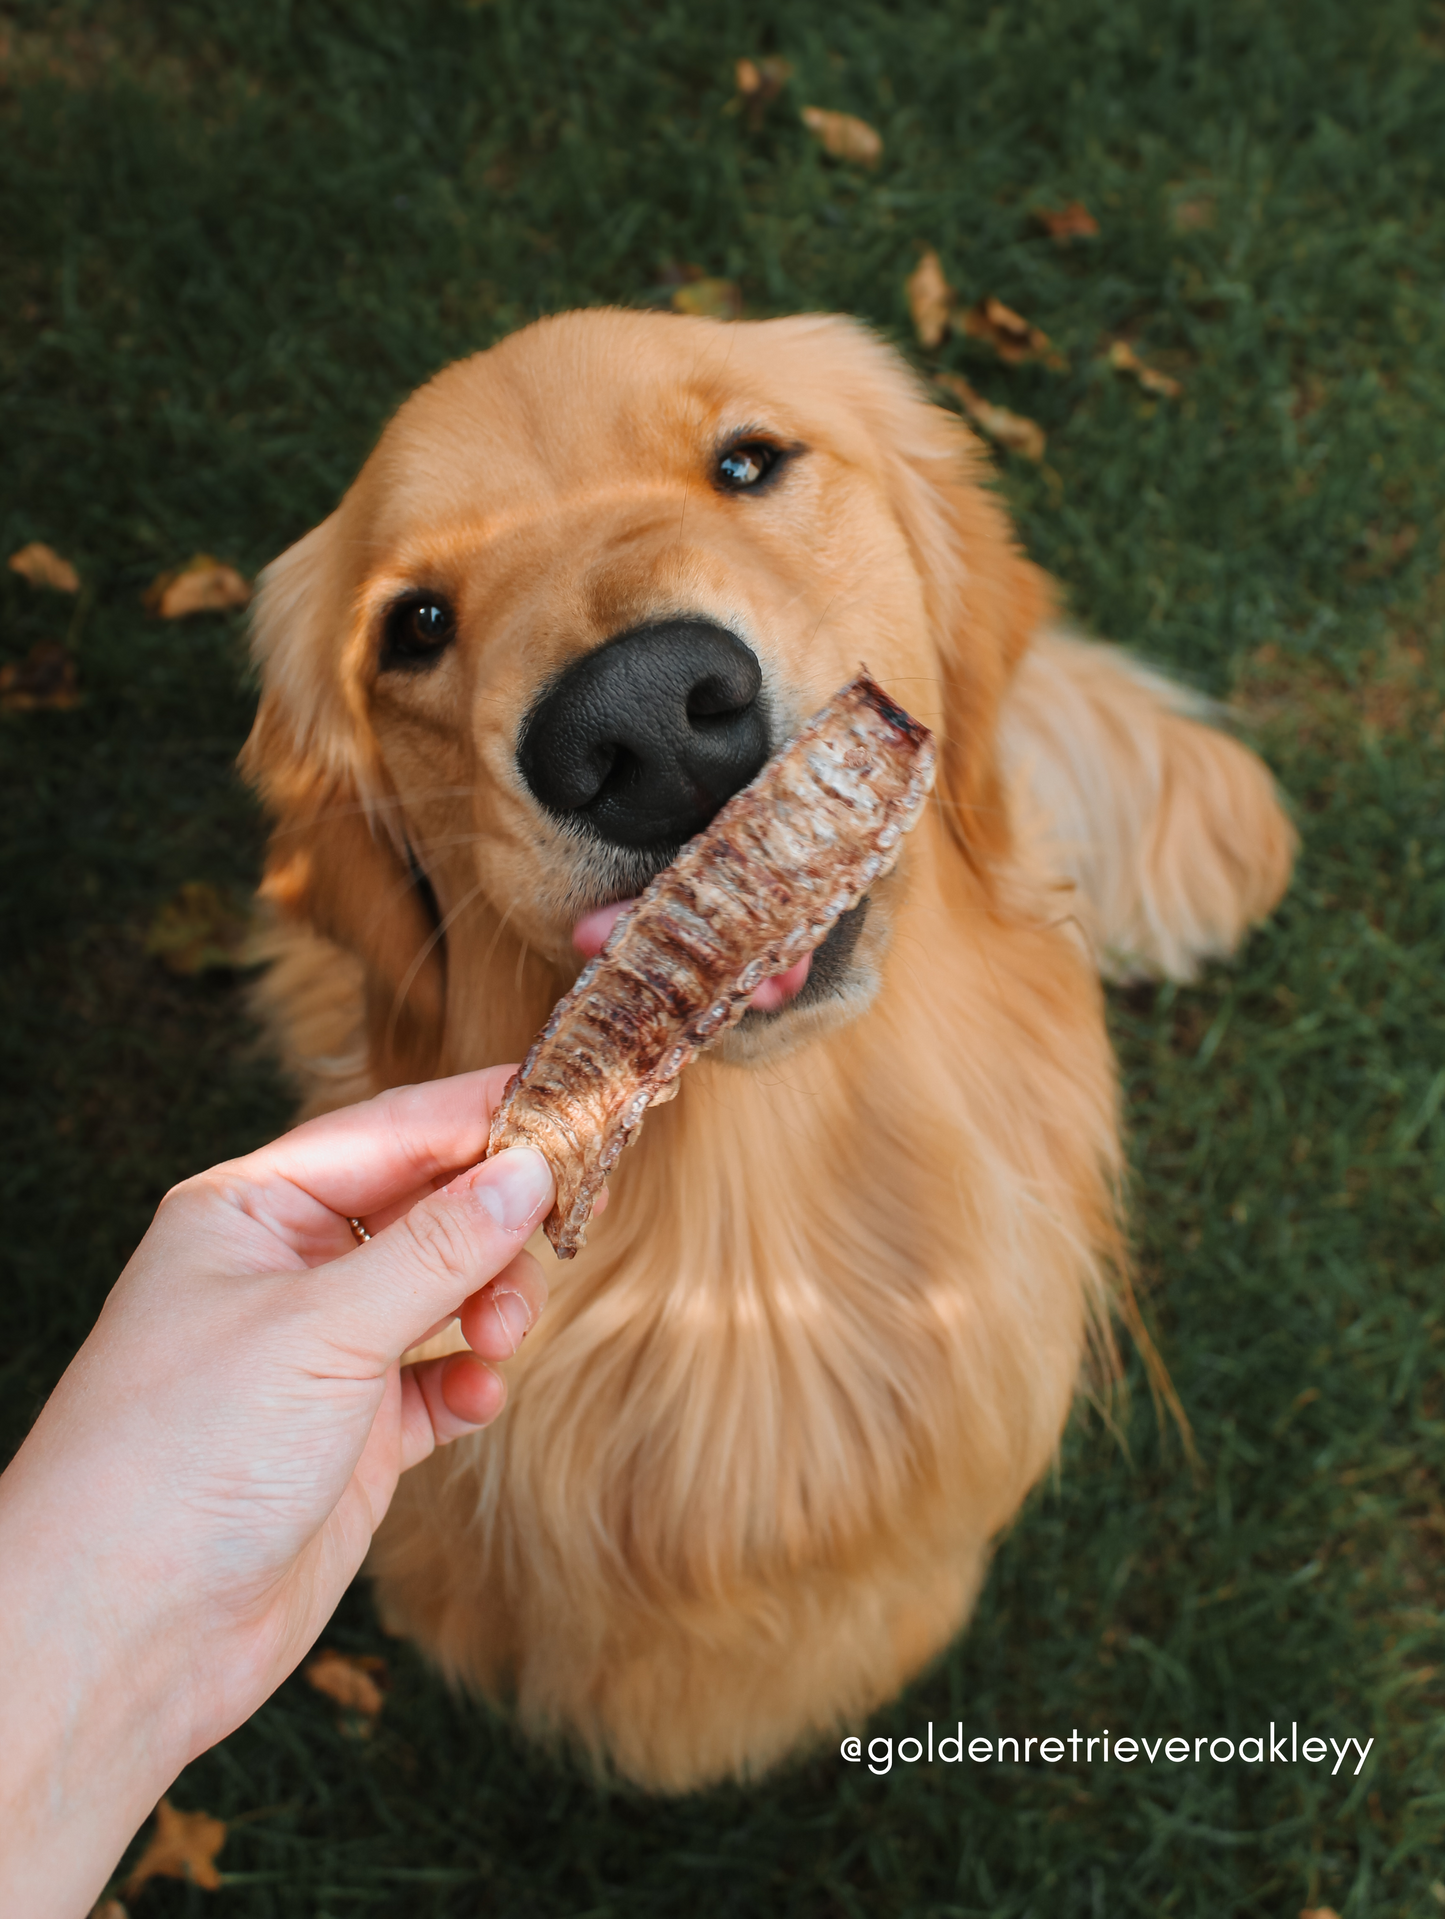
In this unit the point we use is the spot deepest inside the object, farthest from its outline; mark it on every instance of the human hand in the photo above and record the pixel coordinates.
(206, 1478)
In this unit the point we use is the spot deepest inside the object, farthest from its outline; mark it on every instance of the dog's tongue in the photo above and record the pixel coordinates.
(589, 936)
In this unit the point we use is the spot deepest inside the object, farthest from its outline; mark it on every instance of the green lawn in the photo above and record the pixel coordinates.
(235, 235)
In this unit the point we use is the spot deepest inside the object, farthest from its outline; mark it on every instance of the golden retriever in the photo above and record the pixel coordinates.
(827, 1334)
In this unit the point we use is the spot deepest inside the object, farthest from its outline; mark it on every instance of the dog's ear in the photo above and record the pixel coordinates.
(338, 861)
(985, 601)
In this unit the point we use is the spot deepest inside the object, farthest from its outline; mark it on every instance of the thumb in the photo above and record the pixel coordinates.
(421, 1267)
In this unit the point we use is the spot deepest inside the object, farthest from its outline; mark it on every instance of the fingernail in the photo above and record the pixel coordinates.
(515, 1187)
(515, 1315)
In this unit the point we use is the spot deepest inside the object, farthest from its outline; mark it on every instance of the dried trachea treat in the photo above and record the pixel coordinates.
(743, 901)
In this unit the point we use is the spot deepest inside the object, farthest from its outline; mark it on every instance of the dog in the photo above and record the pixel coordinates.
(828, 1332)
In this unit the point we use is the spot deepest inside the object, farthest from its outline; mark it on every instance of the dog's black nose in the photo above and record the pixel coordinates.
(644, 739)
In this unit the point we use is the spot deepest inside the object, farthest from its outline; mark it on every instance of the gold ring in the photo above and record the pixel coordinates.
(358, 1231)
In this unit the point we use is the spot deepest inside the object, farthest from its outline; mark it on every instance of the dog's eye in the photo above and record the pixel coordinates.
(746, 464)
(417, 630)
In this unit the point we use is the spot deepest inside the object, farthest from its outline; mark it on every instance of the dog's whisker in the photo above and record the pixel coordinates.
(501, 928)
(398, 890)
(448, 842)
(427, 947)
(380, 803)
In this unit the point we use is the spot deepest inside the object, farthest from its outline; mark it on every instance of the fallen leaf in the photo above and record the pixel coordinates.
(44, 678)
(1010, 334)
(843, 136)
(109, 1909)
(713, 299)
(43, 566)
(1191, 215)
(930, 300)
(1384, 552)
(200, 930)
(1318, 1912)
(1192, 209)
(355, 1683)
(1071, 222)
(1124, 359)
(183, 1846)
(1008, 429)
(761, 81)
(202, 585)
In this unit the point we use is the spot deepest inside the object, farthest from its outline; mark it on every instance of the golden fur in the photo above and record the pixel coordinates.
(828, 1332)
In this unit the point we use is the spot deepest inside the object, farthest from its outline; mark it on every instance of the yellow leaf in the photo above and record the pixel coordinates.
(845, 137)
(202, 585)
(1124, 359)
(43, 566)
(714, 299)
(930, 300)
(44, 678)
(1010, 334)
(1009, 429)
(198, 931)
(1070, 222)
(183, 1846)
(351, 1682)
(759, 81)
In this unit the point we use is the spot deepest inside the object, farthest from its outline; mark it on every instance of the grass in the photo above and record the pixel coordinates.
(236, 236)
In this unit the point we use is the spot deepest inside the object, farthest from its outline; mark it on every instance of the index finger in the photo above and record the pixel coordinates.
(364, 1158)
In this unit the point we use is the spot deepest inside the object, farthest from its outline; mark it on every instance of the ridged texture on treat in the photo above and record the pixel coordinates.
(744, 900)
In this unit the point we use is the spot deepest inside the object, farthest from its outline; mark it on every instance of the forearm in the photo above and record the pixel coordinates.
(92, 1730)
(203, 1484)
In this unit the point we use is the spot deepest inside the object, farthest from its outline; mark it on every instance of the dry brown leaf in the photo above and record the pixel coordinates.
(844, 136)
(1071, 222)
(353, 1682)
(1010, 334)
(930, 300)
(1192, 211)
(202, 585)
(43, 566)
(760, 81)
(1384, 552)
(1008, 429)
(44, 678)
(1318, 1912)
(1124, 359)
(713, 299)
(199, 930)
(183, 1846)
(1392, 697)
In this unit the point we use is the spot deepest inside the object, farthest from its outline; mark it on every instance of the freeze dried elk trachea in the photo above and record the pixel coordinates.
(746, 899)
